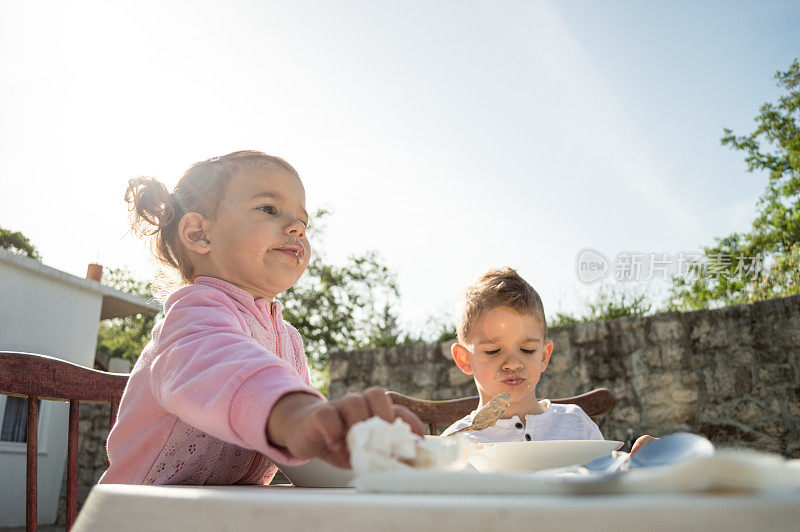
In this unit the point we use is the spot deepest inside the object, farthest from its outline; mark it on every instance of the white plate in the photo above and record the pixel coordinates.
(729, 470)
(318, 474)
(535, 455)
(486, 457)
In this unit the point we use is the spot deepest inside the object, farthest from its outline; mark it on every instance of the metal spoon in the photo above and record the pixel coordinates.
(604, 474)
(668, 449)
(488, 414)
(672, 448)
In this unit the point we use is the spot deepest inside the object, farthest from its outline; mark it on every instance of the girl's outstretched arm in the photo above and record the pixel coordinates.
(309, 427)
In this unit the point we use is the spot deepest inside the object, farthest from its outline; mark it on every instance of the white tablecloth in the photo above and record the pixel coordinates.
(123, 508)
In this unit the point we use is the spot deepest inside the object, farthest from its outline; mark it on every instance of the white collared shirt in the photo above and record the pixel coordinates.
(557, 422)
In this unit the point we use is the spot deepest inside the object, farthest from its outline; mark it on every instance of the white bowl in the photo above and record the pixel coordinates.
(535, 455)
(318, 474)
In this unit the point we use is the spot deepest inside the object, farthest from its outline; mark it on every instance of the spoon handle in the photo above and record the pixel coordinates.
(468, 427)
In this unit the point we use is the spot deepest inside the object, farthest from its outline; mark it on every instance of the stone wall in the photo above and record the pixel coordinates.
(731, 374)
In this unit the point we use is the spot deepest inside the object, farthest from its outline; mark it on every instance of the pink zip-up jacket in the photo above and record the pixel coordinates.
(197, 401)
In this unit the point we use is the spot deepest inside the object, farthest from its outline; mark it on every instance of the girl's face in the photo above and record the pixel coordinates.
(258, 239)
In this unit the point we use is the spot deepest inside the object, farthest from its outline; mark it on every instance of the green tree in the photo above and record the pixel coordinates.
(18, 243)
(562, 319)
(762, 263)
(444, 331)
(126, 337)
(341, 308)
(438, 328)
(611, 303)
(607, 304)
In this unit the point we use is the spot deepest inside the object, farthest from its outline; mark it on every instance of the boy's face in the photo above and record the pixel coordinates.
(506, 352)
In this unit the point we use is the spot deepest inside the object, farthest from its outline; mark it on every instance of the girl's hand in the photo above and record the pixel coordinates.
(640, 442)
(309, 427)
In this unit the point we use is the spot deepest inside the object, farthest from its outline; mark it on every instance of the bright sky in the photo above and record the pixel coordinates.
(451, 136)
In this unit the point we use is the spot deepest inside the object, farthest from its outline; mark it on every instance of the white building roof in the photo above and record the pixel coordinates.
(116, 303)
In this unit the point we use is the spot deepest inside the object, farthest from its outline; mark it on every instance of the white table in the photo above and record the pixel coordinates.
(122, 508)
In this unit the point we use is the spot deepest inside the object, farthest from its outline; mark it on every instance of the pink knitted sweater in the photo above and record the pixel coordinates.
(197, 401)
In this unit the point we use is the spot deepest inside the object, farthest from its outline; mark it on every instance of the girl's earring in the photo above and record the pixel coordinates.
(204, 244)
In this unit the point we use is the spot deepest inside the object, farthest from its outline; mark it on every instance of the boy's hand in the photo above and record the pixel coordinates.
(309, 427)
(640, 442)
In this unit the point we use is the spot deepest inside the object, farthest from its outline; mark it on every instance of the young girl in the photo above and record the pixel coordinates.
(222, 389)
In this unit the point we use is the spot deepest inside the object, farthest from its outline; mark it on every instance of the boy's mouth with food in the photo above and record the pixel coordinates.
(511, 380)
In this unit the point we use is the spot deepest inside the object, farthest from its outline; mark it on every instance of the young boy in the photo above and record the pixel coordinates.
(502, 343)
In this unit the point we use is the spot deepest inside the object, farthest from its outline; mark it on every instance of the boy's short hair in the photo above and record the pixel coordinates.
(497, 288)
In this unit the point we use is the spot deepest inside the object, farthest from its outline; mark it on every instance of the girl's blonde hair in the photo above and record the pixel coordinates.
(155, 212)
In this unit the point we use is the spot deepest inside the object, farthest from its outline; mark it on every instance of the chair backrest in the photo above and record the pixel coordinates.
(37, 377)
(595, 403)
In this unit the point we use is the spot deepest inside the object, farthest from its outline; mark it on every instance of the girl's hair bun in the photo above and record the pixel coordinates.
(150, 204)
(156, 213)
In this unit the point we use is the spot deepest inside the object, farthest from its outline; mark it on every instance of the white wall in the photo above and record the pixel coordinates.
(42, 314)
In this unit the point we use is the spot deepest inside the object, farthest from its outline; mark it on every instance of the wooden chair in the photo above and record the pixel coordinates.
(37, 377)
(444, 413)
